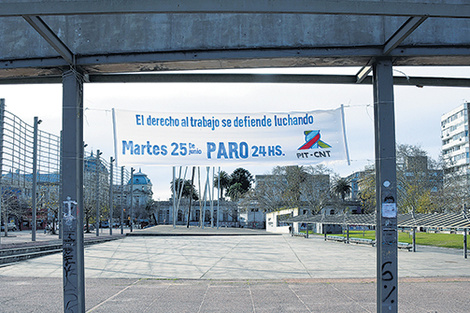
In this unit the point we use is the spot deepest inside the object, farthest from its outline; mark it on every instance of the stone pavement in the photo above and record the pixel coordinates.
(23, 238)
(244, 273)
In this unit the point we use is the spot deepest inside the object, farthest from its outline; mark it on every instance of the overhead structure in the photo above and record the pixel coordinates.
(76, 42)
(151, 36)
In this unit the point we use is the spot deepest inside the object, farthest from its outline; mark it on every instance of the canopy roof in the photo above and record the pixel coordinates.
(40, 39)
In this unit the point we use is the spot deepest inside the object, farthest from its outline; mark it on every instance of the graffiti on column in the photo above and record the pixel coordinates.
(69, 254)
(387, 275)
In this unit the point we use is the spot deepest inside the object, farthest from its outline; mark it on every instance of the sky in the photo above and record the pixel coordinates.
(417, 110)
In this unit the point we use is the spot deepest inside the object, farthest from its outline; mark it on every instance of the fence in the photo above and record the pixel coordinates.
(30, 180)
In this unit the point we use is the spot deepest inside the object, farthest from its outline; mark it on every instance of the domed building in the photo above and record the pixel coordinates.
(142, 190)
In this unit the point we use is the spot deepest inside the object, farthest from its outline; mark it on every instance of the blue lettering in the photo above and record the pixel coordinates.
(127, 146)
(270, 150)
(233, 150)
(210, 148)
(243, 150)
(137, 149)
(222, 151)
(149, 152)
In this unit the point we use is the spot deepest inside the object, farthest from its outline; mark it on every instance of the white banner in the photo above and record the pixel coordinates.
(143, 138)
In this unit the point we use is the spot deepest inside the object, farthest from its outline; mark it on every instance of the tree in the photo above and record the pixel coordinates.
(243, 177)
(188, 188)
(419, 182)
(455, 191)
(240, 177)
(293, 179)
(12, 206)
(224, 182)
(367, 190)
(342, 188)
(235, 192)
(414, 179)
(316, 192)
(293, 186)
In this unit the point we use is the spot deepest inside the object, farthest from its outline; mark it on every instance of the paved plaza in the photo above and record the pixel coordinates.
(184, 271)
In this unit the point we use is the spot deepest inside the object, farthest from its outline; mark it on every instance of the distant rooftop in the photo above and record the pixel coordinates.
(140, 179)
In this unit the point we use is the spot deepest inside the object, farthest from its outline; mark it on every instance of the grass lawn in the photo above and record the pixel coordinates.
(428, 239)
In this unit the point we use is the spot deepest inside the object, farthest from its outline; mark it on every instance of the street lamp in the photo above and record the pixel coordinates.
(97, 169)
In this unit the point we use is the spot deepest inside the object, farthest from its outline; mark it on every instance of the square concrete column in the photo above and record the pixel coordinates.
(72, 192)
(386, 187)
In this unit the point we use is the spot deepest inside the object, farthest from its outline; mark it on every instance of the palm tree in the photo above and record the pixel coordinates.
(188, 189)
(342, 188)
(243, 177)
(225, 180)
(235, 192)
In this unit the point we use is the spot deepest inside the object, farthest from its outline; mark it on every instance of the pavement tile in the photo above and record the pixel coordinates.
(237, 274)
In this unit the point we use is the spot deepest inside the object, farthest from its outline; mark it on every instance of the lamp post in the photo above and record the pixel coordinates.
(132, 199)
(122, 199)
(35, 179)
(97, 169)
(111, 160)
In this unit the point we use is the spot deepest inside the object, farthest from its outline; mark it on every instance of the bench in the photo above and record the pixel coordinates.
(405, 245)
(336, 238)
(362, 241)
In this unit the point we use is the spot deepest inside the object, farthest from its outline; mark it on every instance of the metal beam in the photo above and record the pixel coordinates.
(221, 78)
(340, 7)
(43, 29)
(404, 31)
(362, 74)
(246, 58)
(243, 78)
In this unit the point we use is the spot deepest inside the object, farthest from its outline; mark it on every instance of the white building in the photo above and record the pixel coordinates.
(455, 143)
(228, 213)
(142, 191)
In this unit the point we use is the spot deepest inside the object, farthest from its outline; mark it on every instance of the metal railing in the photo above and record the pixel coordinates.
(30, 180)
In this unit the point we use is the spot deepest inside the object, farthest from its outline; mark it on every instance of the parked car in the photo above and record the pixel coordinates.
(11, 227)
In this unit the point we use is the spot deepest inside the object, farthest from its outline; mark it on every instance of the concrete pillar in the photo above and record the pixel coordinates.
(386, 186)
(72, 187)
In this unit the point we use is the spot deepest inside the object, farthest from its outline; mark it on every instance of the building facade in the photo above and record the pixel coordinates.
(228, 215)
(312, 191)
(455, 142)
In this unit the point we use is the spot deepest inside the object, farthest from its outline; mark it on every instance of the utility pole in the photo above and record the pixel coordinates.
(122, 200)
(97, 169)
(131, 213)
(111, 160)
(35, 178)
